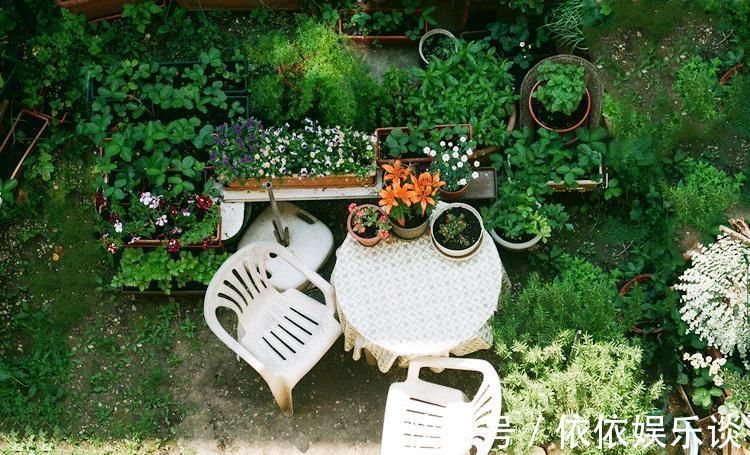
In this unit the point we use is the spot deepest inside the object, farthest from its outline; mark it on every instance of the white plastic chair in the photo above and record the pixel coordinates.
(426, 418)
(282, 335)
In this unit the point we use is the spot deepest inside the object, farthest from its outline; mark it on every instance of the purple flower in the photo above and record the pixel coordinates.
(212, 156)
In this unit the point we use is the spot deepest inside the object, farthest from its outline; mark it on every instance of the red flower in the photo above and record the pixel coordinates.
(203, 202)
(173, 246)
(173, 210)
(99, 199)
(111, 248)
(114, 217)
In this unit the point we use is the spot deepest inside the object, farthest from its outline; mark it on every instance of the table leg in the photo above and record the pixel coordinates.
(369, 357)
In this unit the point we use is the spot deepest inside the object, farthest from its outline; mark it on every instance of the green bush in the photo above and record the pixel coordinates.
(573, 375)
(698, 85)
(582, 298)
(703, 195)
(472, 86)
(310, 73)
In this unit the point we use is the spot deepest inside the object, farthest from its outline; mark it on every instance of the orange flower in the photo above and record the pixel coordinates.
(396, 172)
(422, 192)
(395, 193)
(435, 181)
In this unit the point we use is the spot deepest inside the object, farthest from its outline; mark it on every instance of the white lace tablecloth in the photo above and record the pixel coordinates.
(404, 299)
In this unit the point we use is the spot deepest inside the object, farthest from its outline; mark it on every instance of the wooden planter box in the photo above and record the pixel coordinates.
(214, 242)
(295, 181)
(241, 5)
(12, 154)
(379, 38)
(96, 10)
(382, 133)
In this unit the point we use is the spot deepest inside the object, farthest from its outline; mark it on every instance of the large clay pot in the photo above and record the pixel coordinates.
(412, 232)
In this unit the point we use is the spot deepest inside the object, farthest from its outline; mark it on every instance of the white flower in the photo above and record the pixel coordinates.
(433, 153)
(442, 143)
(462, 182)
(522, 43)
(464, 158)
(155, 202)
(476, 163)
(455, 154)
(118, 226)
(162, 220)
(463, 139)
(426, 150)
(719, 381)
(185, 212)
(469, 152)
(460, 164)
(475, 175)
(146, 198)
(455, 148)
(446, 157)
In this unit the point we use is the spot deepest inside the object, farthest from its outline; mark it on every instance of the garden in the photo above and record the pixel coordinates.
(541, 204)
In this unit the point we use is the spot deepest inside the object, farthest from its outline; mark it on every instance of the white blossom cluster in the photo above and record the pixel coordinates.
(715, 296)
(697, 361)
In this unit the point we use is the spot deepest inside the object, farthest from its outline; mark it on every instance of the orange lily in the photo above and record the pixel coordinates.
(422, 192)
(435, 181)
(396, 172)
(393, 194)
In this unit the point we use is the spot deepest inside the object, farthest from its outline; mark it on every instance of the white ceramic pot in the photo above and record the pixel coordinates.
(432, 32)
(456, 254)
(514, 246)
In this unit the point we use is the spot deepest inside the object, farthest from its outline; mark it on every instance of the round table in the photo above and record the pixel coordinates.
(404, 299)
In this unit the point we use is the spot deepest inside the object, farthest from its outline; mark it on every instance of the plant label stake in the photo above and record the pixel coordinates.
(279, 230)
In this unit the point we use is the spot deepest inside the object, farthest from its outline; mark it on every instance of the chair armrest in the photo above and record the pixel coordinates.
(209, 313)
(318, 281)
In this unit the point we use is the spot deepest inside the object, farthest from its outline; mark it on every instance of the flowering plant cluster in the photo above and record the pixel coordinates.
(451, 159)
(179, 222)
(249, 150)
(368, 221)
(453, 228)
(716, 296)
(705, 380)
(408, 195)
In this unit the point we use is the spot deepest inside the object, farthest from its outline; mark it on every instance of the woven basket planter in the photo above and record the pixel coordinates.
(593, 84)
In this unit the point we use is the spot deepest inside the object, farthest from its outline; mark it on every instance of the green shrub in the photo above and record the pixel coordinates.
(698, 85)
(398, 87)
(703, 195)
(582, 298)
(563, 88)
(472, 86)
(310, 73)
(573, 375)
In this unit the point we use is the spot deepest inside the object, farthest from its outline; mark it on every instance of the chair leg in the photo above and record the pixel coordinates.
(240, 336)
(283, 397)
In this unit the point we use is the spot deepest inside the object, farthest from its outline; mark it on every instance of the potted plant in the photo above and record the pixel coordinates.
(517, 220)
(456, 230)
(408, 199)
(559, 100)
(386, 25)
(407, 144)
(453, 159)
(247, 154)
(367, 224)
(436, 43)
(699, 384)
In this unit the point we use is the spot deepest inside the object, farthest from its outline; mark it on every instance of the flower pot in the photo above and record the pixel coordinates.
(586, 110)
(97, 9)
(514, 246)
(453, 196)
(432, 35)
(410, 233)
(643, 278)
(365, 241)
(379, 38)
(381, 134)
(456, 253)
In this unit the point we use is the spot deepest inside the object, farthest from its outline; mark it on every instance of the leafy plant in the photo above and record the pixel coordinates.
(518, 39)
(6, 192)
(471, 86)
(453, 228)
(410, 21)
(703, 195)
(562, 88)
(698, 86)
(526, 6)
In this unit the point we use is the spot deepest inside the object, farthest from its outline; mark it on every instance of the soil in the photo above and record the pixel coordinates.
(412, 222)
(473, 230)
(558, 120)
(523, 238)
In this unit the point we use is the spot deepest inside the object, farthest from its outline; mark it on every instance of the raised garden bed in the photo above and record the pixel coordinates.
(241, 5)
(96, 10)
(20, 141)
(400, 36)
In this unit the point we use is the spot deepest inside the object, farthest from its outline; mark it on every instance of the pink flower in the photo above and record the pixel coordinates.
(173, 246)
(383, 218)
(360, 213)
(384, 234)
(352, 207)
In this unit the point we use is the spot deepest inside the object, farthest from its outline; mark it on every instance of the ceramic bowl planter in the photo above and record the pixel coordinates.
(512, 245)
(473, 232)
(364, 239)
(453, 196)
(433, 41)
(577, 119)
(411, 231)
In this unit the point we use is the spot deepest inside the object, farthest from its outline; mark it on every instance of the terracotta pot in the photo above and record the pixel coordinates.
(643, 278)
(372, 241)
(95, 10)
(514, 246)
(585, 117)
(456, 254)
(452, 196)
(410, 233)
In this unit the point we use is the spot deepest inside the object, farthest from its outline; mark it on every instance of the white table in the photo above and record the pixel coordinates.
(404, 299)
